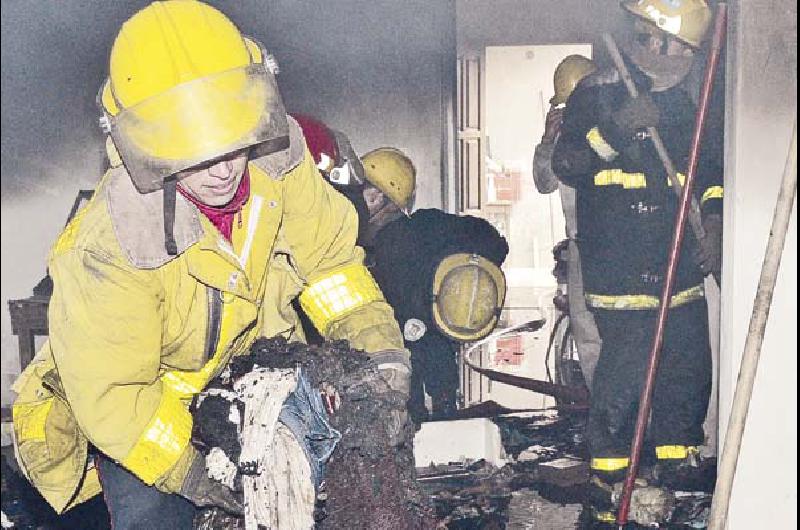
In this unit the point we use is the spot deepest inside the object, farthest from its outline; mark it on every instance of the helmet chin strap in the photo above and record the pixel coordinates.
(170, 198)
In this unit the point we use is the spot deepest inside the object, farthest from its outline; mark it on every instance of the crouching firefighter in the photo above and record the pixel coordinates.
(190, 250)
(626, 211)
(440, 273)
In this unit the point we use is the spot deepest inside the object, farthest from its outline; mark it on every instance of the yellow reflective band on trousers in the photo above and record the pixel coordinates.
(714, 192)
(330, 297)
(642, 301)
(30, 419)
(610, 464)
(163, 441)
(600, 146)
(617, 177)
(605, 517)
(675, 452)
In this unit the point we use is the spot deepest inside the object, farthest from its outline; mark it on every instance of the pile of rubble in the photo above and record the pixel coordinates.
(368, 482)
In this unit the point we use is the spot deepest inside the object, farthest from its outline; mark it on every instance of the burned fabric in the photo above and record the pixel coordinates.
(368, 483)
(272, 468)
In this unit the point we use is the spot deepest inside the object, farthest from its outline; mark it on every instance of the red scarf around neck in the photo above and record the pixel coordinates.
(222, 216)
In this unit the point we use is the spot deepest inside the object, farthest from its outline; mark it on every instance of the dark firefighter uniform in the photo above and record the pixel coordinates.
(403, 260)
(626, 213)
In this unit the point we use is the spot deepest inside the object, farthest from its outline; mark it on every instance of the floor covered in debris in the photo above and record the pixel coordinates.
(542, 486)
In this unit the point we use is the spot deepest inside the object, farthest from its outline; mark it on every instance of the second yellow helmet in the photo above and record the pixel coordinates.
(568, 74)
(392, 172)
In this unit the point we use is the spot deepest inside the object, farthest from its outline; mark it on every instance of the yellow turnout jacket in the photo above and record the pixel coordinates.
(136, 333)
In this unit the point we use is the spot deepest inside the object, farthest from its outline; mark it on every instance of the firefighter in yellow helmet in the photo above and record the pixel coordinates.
(389, 191)
(440, 273)
(625, 220)
(192, 247)
(569, 73)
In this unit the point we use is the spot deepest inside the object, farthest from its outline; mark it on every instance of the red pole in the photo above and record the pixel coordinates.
(674, 253)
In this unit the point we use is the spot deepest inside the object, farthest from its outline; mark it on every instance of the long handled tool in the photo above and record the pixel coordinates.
(755, 336)
(674, 254)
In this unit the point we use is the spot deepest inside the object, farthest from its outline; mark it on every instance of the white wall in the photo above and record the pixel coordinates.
(519, 85)
(762, 102)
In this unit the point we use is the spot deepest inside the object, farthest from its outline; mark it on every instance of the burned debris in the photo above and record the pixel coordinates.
(369, 483)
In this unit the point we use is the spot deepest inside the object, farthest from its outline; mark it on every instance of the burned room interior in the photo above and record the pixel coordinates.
(444, 380)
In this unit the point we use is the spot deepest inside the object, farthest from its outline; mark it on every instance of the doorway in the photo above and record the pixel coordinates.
(504, 94)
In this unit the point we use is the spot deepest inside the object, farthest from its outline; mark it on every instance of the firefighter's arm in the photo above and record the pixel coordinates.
(710, 193)
(543, 177)
(710, 168)
(105, 334)
(340, 296)
(580, 149)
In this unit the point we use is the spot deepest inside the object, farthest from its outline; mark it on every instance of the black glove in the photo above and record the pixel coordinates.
(203, 491)
(709, 251)
(552, 125)
(636, 114)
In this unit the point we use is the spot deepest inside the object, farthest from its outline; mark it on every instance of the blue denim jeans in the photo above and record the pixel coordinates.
(133, 505)
(304, 414)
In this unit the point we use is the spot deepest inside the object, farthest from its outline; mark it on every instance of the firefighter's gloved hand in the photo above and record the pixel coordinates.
(395, 368)
(552, 125)
(203, 491)
(709, 251)
(636, 114)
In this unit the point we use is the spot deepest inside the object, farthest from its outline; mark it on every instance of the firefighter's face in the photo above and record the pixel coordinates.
(215, 182)
(658, 42)
(663, 58)
(374, 198)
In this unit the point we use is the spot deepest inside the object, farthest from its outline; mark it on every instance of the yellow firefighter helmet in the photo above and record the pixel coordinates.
(568, 74)
(392, 172)
(468, 294)
(185, 87)
(686, 20)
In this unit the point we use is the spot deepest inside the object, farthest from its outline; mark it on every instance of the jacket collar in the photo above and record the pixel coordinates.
(138, 219)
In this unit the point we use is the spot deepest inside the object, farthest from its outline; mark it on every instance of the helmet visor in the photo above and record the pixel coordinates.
(198, 121)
